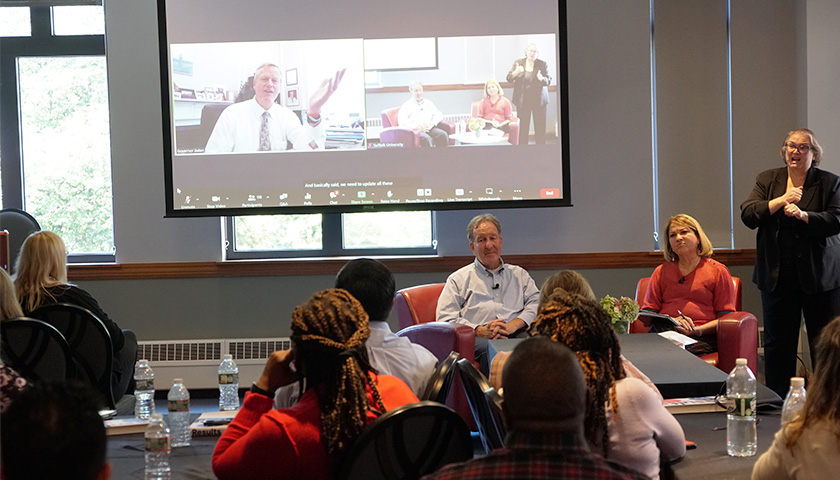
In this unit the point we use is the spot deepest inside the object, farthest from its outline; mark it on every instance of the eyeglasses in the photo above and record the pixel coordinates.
(804, 148)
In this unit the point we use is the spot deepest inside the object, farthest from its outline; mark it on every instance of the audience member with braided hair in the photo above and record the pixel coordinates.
(342, 394)
(625, 420)
(808, 447)
(568, 281)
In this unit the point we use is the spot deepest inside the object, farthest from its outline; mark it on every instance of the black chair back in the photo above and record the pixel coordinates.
(440, 383)
(89, 341)
(494, 400)
(475, 384)
(20, 225)
(406, 443)
(37, 350)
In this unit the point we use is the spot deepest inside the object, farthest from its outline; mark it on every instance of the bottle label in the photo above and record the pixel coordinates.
(157, 444)
(144, 384)
(179, 405)
(228, 378)
(741, 406)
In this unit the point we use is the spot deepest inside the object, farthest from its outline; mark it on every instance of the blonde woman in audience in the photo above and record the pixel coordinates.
(571, 282)
(342, 394)
(808, 447)
(41, 279)
(9, 306)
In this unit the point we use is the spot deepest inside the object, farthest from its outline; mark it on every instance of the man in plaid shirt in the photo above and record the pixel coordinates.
(544, 406)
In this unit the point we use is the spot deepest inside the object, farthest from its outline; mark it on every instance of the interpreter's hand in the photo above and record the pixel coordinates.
(518, 70)
(686, 326)
(792, 195)
(792, 210)
(278, 371)
(540, 76)
(324, 92)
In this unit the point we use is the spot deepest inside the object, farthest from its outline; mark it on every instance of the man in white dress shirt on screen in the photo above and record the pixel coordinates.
(373, 285)
(496, 299)
(261, 125)
(421, 115)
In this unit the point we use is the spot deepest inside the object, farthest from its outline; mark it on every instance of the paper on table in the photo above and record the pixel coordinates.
(678, 338)
(199, 428)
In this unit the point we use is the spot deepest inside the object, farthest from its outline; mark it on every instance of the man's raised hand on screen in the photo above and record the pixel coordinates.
(324, 92)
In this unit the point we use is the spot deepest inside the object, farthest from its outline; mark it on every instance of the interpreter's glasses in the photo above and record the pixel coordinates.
(804, 148)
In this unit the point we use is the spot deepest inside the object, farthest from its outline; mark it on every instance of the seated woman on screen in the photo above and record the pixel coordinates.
(343, 394)
(625, 420)
(570, 282)
(41, 279)
(808, 447)
(495, 107)
(689, 287)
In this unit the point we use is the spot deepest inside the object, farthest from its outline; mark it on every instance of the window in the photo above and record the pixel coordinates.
(331, 234)
(56, 160)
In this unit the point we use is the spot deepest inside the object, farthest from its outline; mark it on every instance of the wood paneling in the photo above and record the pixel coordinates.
(330, 266)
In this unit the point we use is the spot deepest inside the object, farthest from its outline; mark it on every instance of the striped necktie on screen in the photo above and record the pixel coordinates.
(265, 139)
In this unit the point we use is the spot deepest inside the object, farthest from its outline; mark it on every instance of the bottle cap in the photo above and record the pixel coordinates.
(797, 382)
(178, 380)
(741, 361)
(228, 356)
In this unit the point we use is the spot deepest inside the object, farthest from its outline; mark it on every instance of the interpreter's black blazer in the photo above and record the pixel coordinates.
(817, 242)
(525, 91)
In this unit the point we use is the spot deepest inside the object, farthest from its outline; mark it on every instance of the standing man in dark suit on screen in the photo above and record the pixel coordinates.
(530, 78)
(496, 299)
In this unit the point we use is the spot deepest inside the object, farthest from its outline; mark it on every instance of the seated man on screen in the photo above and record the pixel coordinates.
(496, 299)
(260, 124)
(544, 409)
(421, 115)
(373, 285)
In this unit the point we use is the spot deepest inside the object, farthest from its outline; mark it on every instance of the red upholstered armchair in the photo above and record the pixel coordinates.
(392, 132)
(416, 316)
(737, 332)
(513, 136)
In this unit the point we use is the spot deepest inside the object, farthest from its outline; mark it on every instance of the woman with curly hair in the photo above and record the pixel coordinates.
(809, 446)
(625, 420)
(341, 393)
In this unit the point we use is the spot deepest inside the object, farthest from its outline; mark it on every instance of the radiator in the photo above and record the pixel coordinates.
(197, 361)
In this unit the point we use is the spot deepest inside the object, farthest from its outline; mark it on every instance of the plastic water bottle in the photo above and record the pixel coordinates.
(228, 384)
(740, 414)
(157, 449)
(795, 400)
(179, 413)
(144, 389)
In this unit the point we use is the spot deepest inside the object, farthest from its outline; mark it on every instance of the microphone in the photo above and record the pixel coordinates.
(681, 281)
(496, 287)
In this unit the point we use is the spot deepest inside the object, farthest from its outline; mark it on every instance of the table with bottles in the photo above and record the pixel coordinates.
(127, 456)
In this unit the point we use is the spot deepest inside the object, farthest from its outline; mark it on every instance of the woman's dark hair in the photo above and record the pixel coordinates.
(329, 333)
(584, 327)
(823, 400)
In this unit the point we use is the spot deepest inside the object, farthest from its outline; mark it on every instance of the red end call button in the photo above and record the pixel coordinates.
(550, 193)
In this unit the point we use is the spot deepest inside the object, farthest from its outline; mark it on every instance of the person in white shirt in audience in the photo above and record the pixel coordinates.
(808, 447)
(496, 299)
(421, 115)
(373, 285)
